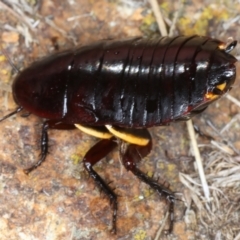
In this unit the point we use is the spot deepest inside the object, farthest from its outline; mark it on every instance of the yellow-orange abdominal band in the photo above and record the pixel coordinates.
(94, 132)
(128, 137)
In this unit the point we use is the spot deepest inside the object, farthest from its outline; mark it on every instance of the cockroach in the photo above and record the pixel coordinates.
(118, 89)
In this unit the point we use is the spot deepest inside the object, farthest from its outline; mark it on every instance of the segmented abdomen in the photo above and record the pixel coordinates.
(141, 83)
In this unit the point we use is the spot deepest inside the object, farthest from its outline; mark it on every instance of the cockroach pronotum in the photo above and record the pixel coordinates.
(117, 89)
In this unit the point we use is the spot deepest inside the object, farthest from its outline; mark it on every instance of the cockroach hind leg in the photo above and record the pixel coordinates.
(162, 192)
(134, 154)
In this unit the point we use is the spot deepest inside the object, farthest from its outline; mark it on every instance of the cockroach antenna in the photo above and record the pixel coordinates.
(19, 109)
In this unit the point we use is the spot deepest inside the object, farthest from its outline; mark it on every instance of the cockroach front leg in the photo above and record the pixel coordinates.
(130, 158)
(52, 124)
(44, 148)
(95, 154)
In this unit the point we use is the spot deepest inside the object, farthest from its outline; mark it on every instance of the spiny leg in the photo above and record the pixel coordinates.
(134, 154)
(52, 124)
(44, 149)
(95, 154)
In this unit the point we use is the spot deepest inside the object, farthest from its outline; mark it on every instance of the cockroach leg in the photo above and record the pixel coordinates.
(49, 124)
(95, 154)
(134, 154)
(202, 134)
(44, 148)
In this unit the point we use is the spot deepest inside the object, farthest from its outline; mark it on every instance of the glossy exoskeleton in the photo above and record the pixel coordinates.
(118, 89)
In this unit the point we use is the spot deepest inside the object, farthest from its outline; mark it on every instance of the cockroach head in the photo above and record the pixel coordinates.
(222, 71)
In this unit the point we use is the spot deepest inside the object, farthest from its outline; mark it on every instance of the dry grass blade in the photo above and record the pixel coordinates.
(233, 120)
(19, 15)
(160, 230)
(198, 160)
(175, 19)
(25, 15)
(223, 148)
(234, 100)
(205, 186)
(159, 18)
(237, 237)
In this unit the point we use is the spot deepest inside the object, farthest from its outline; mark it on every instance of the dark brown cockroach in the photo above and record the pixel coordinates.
(118, 89)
